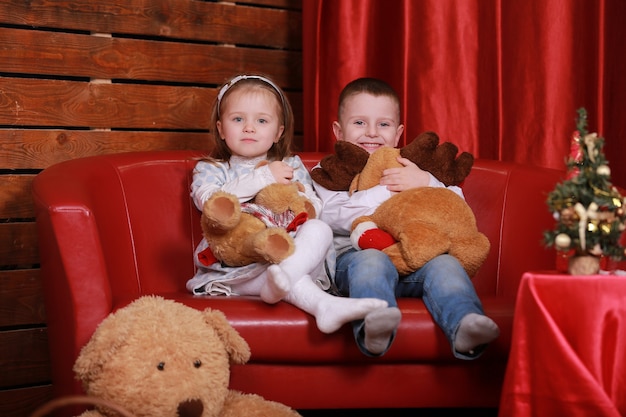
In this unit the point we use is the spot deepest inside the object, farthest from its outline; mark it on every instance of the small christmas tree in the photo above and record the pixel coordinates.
(588, 209)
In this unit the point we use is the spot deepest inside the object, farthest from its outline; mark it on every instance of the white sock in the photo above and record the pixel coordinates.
(330, 312)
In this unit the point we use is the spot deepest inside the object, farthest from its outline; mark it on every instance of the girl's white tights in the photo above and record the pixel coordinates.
(293, 281)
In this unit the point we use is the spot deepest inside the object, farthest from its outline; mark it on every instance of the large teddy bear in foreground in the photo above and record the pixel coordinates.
(241, 234)
(157, 357)
(422, 222)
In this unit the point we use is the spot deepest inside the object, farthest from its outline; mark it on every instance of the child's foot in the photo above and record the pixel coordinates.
(330, 311)
(379, 327)
(475, 330)
(335, 311)
(276, 286)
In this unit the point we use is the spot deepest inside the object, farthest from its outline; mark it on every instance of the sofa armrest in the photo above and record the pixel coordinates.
(111, 228)
(69, 231)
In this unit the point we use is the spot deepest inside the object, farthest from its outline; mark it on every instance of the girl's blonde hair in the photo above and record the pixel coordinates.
(220, 152)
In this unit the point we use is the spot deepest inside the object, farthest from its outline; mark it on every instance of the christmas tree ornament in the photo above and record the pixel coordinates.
(562, 241)
(588, 210)
(604, 170)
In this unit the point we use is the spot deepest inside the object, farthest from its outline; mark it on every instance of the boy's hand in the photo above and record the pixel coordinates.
(405, 177)
(282, 172)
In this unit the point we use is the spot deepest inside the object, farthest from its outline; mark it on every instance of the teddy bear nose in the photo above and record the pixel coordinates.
(190, 408)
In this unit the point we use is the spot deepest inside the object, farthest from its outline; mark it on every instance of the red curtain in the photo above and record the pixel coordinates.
(500, 78)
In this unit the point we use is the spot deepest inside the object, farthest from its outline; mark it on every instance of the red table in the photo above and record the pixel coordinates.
(568, 349)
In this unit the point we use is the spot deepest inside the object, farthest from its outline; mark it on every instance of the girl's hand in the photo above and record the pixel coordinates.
(282, 172)
(405, 177)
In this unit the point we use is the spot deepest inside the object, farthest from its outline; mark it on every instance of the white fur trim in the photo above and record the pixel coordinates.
(358, 231)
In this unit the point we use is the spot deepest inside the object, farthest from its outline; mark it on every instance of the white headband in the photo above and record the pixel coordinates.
(238, 78)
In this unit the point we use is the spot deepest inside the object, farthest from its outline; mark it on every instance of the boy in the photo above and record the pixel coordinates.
(369, 117)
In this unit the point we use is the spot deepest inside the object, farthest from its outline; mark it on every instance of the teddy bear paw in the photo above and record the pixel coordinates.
(274, 245)
(222, 211)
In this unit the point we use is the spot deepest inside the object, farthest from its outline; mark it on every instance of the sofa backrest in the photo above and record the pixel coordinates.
(128, 218)
(509, 202)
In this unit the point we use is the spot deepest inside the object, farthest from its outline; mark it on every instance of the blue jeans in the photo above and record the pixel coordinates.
(442, 283)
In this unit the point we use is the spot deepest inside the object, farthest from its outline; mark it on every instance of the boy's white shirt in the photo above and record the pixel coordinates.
(340, 209)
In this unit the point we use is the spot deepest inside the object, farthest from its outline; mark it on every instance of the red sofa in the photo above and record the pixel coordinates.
(115, 227)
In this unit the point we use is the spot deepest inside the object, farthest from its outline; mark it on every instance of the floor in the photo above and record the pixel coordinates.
(414, 412)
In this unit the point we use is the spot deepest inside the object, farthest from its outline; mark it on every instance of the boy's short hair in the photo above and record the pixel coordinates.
(373, 86)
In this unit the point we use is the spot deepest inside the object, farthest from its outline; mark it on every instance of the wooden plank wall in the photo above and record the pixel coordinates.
(87, 77)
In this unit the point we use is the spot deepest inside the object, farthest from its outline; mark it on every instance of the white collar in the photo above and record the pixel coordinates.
(243, 160)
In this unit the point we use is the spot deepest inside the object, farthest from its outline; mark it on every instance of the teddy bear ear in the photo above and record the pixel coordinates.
(234, 344)
(104, 343)
(113, 333)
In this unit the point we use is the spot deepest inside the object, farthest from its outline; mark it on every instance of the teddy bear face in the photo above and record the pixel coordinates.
(158, 378)
(156, 361)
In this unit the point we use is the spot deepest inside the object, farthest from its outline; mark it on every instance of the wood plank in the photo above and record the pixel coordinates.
(38, 149)
(15, 197)
(24, 401)
(18, 245)
(68, 54)
(35, 102)
(25, 358)
(180, 19)
(21, 298)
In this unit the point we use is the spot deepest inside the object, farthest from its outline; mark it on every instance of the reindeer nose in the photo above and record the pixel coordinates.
(190, 408)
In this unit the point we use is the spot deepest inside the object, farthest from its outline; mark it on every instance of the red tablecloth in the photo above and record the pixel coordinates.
(568, 353)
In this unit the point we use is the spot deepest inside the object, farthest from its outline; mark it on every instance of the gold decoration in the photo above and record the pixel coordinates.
(605, 228)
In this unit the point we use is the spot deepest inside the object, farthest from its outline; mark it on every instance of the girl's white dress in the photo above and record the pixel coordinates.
(241, 178)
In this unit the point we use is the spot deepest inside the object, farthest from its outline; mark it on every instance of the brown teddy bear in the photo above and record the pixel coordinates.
(158, 357)
(240, 234)
(420, 223)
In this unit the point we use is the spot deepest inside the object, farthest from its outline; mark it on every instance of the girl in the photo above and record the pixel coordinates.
(252, 122)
